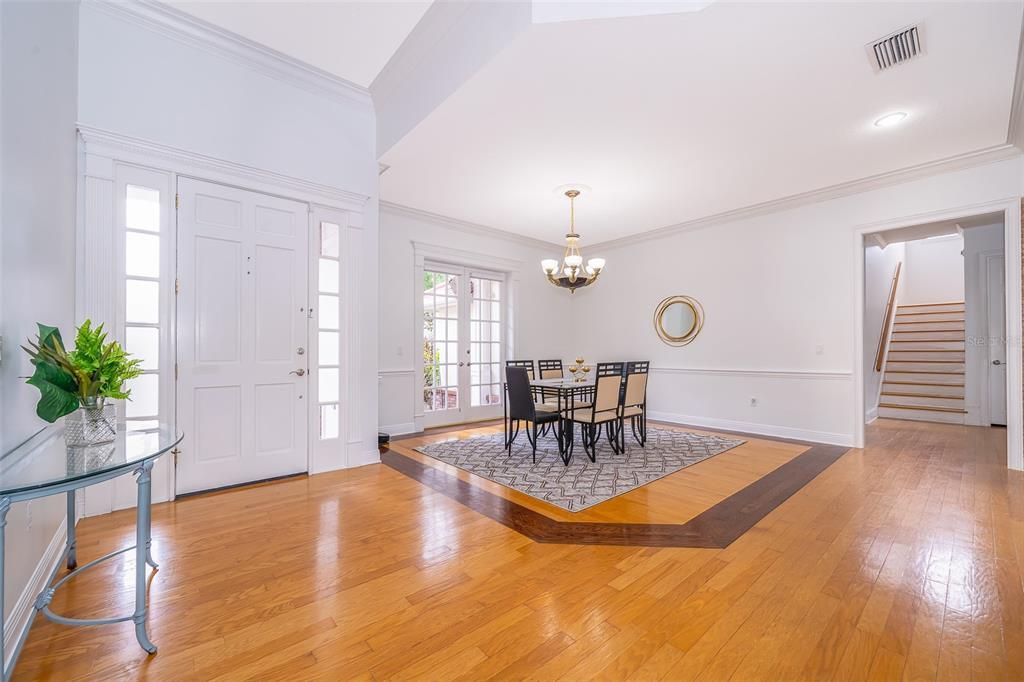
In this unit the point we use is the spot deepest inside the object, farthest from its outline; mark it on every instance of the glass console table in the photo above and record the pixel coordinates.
(43, 466)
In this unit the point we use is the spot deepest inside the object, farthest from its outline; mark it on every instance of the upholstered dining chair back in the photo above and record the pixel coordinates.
(520, 398)
(525, 364)
(608, 383)
(636, 383)
(550, 369)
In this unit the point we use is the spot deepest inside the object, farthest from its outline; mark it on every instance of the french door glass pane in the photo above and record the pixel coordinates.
(484, 341)
(142, 254)
(144, 400)
(142, 301)
(329, 313)
(329, 281)
(328, 381)
(144, 344)
(328, 421)
(142, 208)
(330, 245)
(440, 341)
(330, 348)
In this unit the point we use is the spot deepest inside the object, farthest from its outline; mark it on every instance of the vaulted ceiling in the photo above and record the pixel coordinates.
(667, 117)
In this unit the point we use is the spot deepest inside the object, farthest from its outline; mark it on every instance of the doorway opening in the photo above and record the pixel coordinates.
(464, 343)
(935, 329)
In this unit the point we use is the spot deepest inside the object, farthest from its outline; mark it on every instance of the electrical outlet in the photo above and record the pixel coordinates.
(753, 402)
(28, 514)
(819, 350)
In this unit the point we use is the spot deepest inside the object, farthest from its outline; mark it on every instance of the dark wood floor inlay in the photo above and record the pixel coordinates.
(714, 528)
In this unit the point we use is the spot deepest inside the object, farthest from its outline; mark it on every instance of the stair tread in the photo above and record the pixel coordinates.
(924, 408)
(923, 395)
(922, 383)
(925, 305)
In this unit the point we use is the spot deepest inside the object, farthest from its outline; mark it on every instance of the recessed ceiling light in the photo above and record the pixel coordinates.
(890, 120)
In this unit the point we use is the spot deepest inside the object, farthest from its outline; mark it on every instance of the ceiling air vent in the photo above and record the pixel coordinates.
(896, 48)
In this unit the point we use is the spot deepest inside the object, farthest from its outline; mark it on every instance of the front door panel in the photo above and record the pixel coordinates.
(242, 320)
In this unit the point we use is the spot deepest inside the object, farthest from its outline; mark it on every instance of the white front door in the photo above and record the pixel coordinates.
(463, 344)
(995, 273)
(242, 335)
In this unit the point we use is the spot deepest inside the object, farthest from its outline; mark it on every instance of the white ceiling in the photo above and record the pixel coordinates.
(677, 117)
(350, 39)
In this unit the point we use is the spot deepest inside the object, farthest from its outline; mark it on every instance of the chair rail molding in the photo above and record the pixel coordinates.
(190, 30)
(800, 374)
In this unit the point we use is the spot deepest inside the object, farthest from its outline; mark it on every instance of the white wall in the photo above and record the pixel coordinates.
(978, 242)
(934, 270)
(779, 296)
(141, 80)
(38, 89)
(879, 266)
(542, 318)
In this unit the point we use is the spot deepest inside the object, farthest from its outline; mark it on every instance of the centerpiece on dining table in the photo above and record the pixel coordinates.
(579, 370)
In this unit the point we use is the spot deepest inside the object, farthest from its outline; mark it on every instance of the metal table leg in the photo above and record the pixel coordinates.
(142, 520)
(5, 505)
(72, 540)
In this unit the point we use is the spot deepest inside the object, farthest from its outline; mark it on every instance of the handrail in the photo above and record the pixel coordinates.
(883, 339)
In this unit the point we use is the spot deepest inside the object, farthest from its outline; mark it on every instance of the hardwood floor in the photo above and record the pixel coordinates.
(902, 560)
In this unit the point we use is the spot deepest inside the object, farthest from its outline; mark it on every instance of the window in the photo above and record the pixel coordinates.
(329, 329)
(142, 329)
(440, 341)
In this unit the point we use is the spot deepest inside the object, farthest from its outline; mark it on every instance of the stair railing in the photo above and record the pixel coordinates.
(890, 309)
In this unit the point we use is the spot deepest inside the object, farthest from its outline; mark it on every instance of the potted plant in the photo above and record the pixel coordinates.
(77, 384)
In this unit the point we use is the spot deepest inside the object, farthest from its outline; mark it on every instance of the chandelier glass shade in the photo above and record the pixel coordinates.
(571, 273)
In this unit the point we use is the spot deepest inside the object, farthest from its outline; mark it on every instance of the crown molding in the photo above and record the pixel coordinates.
(1015, 132)
(146, 152)
(468, 227)
(954, 163)
(190, 30)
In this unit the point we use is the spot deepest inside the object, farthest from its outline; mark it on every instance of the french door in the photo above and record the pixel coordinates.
(242, 335)
(463, 344)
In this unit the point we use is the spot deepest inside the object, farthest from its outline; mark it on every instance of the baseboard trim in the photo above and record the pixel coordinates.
(399, 429)
(775, 431)
(16, 627)
(871, 415)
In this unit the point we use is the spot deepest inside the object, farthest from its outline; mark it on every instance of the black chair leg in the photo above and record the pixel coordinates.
(512, 437)
(532, 428)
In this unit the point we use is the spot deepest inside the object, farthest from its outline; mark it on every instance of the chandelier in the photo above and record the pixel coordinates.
(572, 275)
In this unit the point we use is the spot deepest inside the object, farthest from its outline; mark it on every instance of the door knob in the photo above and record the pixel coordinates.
(997, 362)
(462, 364)
(298, 372)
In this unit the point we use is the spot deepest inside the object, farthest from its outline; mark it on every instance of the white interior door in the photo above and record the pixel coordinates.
(242, 335)
(995, 272)
(463, 344)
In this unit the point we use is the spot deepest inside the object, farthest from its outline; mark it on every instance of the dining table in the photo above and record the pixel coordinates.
(565, 393)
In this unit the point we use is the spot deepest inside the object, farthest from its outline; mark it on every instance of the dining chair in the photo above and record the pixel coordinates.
(634, 401)
(603, 411)
(522, 408)
(550, 369)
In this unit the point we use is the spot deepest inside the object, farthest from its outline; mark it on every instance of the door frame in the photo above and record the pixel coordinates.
(986, 258)
(1011, 210)
(423, 252)
(98, 270)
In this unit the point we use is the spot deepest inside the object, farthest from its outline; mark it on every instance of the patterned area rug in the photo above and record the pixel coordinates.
(583, 483)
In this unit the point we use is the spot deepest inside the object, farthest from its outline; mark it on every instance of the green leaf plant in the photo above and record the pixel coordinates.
(94, 370)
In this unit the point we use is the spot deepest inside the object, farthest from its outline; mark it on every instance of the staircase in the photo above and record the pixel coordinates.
(924, 370)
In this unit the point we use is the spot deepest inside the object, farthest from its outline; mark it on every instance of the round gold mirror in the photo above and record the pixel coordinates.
(678, 320)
